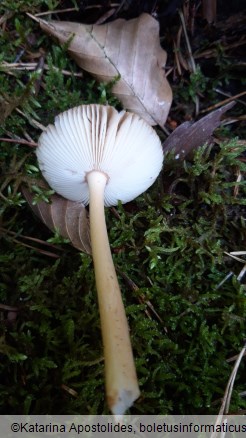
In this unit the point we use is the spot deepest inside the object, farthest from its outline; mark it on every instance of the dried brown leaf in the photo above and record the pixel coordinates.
(68, 217)
(189, 136)
(130, 49)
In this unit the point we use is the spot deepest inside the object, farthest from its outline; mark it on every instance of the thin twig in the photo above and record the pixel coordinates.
(9, 308)
(232, 380)
(33, 239)
(228, 392)
(228, 276)
(234, 358)
(70, 391)
(32, 121)
(6, 16)
(182, 61)
(238, 180)
(213, 52)
(41, 251)
(105, 16)
(229, 121)
(57, 11)
(223, 102)
(175, 50)
(241, 273)
(142, 298)
(192, 61)
(223, 93)
(232, 254)
(31, 66)
(19, 141)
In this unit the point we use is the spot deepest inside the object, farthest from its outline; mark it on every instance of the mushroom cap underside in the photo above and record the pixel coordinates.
(98, 137)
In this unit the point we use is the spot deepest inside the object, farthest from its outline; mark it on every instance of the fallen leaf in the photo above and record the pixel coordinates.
(68, 217)
(129, 49)
(190, 136)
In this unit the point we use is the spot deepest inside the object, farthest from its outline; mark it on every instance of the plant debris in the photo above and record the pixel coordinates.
(189, 136)
(119, 50)
(69, 219)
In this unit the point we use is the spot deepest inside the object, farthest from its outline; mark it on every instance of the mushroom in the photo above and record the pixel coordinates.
(97, 155)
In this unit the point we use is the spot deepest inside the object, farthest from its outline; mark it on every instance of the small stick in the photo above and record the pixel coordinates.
(234, 358)
(182, 61)
(231, 254)
(241, 274)
(228, 95)
(142, 298)
(10, 308)
(177, 58)
(192, 61)
(58, 11)
(32, 121)
(19, 141)
(33, 239)
(228, 392)
(105, 16)
(41, 251)
(193, 64)
(223, 102)
(30, 66)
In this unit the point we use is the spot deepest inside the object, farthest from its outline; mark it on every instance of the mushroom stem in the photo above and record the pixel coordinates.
(121, 379)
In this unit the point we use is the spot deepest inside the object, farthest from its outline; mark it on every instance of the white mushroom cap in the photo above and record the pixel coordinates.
(97, 137)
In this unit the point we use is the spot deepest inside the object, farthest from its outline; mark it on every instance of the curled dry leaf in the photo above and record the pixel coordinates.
(189, 136)
(129, 49)
(68, 217)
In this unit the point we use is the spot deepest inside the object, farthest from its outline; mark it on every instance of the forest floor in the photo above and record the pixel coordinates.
(180, 248)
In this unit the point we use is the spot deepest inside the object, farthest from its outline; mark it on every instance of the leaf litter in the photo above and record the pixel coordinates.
(120, 49)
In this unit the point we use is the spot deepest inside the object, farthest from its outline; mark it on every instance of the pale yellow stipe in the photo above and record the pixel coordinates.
(121, 379)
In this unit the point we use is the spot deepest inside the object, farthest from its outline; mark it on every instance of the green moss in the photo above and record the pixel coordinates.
(176, 259)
